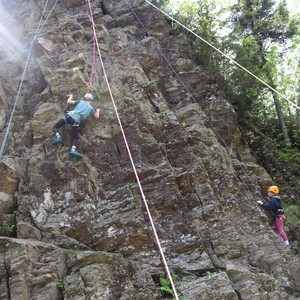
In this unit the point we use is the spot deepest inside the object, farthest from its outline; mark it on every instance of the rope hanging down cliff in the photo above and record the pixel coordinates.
(93, 66)
(36, 34)
(258, 192)
(131, 159)
(226, 56)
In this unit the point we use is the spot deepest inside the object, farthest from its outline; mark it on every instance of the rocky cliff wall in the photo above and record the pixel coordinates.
(79, 229)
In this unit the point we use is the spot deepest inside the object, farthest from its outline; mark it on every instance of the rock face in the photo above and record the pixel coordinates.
(80, 229)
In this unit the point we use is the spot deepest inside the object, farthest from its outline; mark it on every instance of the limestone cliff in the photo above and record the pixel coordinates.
(79, 229)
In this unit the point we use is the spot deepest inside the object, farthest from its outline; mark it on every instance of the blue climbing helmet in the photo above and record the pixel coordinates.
(88, 96)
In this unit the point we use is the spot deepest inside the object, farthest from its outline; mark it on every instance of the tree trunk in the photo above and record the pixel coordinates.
(281, 120)
(280, 115)
(297, 111)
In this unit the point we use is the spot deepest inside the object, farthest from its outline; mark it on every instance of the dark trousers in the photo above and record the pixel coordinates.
(74, 126)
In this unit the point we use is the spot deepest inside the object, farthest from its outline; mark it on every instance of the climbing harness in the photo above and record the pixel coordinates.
(131, 159)
(36, 34)
(68, 117)
(223, 54)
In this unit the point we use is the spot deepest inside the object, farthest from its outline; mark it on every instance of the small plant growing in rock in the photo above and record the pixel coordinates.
(64, 31)
(75, 249)
(183, 124)
(61, 283)
(163, 119)
(131, 184)
(54, 231)
(165, 285)
(154, 81)
(209, 274)
(9, 227)
(166, 288)
(62, 175)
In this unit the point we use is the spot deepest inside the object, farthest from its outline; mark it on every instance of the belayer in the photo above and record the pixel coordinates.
(275, 207)
(82, 110)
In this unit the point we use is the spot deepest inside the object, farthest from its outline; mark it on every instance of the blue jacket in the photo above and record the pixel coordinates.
(81, 111)
(274, 205)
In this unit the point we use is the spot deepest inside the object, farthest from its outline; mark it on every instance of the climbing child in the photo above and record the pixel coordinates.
(274, 205)
(82, 110)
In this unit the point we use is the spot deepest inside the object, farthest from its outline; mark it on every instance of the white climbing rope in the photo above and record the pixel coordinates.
(131, 159)
(37, 32)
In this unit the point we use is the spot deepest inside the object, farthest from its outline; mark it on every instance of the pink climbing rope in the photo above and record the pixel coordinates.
(131, 159)
(94, 47)
(93, 65)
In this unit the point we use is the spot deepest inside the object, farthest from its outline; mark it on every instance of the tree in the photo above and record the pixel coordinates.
(257, 25)
(201, 17)
(298, 112)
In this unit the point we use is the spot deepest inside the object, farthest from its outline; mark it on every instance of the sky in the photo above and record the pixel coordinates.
(293, 6)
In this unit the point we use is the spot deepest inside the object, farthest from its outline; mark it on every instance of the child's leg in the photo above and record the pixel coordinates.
(279, 227)
(58, 139)
(75, 136)
(59, 124)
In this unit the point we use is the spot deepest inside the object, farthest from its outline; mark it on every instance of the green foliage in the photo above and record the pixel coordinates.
(209, 274)
(258, 36)
(260, 30)
(258, 26)
(165, 285)
(75, 249)
(64, 31)
(62, 175)
(266, 20)
(154, 81)
(183, 124)
(201, 17)
(292, 213)
(9, 227)
(54, 232)
(61, 283)
(131, 184)
(164, 119)
(292, 159)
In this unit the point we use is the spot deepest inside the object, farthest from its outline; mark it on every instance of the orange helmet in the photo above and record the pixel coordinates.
(273, 189)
